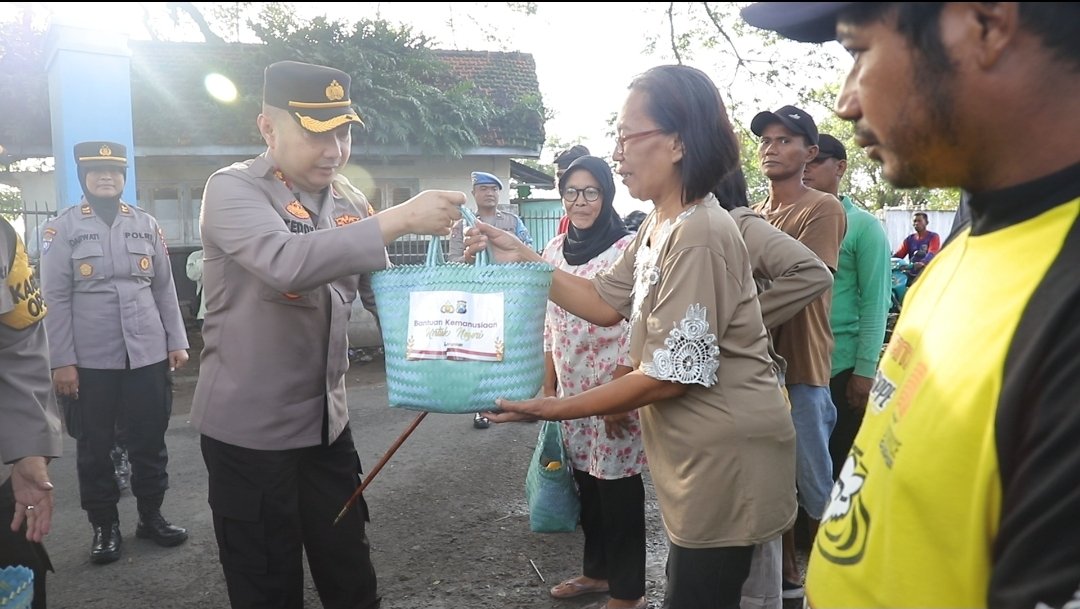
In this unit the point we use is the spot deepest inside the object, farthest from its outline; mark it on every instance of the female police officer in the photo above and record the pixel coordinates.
(115, 332)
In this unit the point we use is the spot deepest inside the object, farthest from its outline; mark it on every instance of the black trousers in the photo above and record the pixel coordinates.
(272, 506)
(706, 578)
(848, 421)
(16, 550)
(613, 520)
(139, 400)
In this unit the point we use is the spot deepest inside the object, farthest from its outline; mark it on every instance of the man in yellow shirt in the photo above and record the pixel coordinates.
(960, 489)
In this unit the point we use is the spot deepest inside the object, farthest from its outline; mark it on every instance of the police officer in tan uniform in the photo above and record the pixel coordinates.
(30, 428)
(115, 333)
(287, 244)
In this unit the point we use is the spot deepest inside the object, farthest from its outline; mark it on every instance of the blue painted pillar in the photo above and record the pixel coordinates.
(89, 99)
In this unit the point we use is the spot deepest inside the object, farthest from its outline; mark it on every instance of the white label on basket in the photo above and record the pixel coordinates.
(456, 326)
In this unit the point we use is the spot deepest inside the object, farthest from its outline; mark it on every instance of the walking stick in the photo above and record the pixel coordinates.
(378, 466)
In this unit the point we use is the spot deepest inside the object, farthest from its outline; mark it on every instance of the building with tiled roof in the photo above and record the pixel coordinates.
(182, 134)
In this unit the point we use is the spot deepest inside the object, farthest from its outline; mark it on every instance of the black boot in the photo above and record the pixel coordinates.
(154, 526)
(106, 545)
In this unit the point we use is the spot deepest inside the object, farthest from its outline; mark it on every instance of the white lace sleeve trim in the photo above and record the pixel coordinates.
(692, 355)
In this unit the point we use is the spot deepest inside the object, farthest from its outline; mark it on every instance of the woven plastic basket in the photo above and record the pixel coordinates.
(16, 588)
(455, 385)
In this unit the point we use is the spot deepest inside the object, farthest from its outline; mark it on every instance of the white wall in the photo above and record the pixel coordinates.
(897, 224)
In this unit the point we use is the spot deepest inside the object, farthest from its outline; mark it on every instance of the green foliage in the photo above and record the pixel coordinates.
(24, 92)
(757, 70)
(11, 204)
(406, 95)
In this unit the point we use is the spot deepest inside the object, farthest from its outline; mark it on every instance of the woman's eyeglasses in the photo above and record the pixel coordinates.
(620, 142)
(591, 193)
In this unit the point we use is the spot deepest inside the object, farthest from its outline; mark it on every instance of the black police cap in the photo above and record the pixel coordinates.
(317, 97)
(100, 154)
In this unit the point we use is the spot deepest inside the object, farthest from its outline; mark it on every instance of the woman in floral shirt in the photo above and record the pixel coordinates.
(605, 451)
(716, 429)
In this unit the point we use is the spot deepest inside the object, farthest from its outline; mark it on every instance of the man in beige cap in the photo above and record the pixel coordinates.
(287, 245)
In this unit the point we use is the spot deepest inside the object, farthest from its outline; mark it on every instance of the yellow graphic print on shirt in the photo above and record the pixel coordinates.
(25, 292)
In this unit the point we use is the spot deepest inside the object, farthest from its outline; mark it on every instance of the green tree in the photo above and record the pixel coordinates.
(24, 90)
(409, 98)
(763, 71)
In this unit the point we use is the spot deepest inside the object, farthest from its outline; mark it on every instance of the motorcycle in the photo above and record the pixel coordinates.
(901, 275)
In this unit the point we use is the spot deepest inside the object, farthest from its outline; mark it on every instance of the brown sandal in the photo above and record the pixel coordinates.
(573, 587)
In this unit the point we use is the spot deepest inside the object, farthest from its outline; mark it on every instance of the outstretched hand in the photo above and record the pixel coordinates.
(524, 410)
(432, 212)
(502, 245)
(33, 497)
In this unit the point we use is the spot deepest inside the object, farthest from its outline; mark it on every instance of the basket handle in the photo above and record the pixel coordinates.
(435, 255)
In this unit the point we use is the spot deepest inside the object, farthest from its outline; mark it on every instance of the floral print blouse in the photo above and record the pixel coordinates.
(585, 356)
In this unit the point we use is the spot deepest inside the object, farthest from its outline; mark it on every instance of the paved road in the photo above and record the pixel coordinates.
(449, 523)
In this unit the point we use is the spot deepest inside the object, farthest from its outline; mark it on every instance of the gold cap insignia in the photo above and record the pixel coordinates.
(105, 150)
(335, 92)
(144, 263)
(85, 269)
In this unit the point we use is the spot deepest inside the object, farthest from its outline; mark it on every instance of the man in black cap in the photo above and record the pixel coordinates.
(288, 244)
(115, 336)
(960, 489)
(861, 298)
(788, 141)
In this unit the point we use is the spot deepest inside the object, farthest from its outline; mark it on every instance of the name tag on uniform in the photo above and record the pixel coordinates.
(455, 326)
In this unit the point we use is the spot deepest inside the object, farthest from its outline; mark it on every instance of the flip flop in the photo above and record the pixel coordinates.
(572, 588)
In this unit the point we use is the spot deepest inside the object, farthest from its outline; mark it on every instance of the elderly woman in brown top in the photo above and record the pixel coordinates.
(717, 432)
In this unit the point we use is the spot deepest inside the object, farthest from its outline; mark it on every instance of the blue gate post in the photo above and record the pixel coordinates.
(89, 99)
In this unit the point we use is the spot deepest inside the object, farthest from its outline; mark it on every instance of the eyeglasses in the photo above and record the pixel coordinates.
(620, 142)
(591, 193)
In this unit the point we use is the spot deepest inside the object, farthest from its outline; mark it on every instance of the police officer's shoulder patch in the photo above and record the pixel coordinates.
(47, 237)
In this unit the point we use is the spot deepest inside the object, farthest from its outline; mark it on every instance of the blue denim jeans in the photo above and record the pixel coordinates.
(814, 415)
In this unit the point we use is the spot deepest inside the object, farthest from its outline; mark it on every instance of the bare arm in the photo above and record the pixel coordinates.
(623, 394)
(575, 294)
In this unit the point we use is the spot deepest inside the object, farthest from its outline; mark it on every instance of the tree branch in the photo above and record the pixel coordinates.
(671, 31)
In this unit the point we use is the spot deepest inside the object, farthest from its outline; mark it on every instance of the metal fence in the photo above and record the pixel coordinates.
(408, 249)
